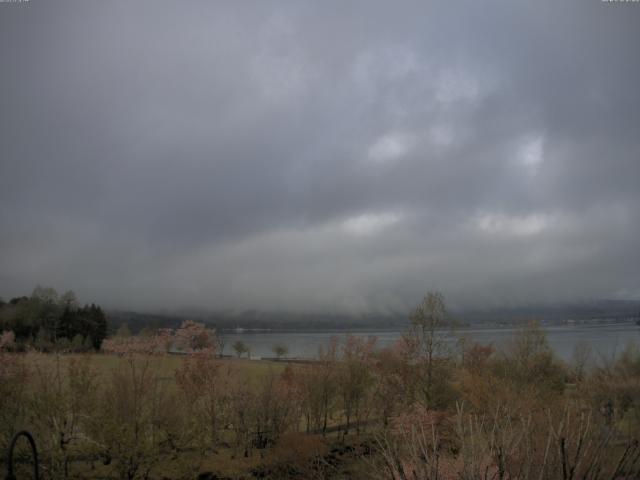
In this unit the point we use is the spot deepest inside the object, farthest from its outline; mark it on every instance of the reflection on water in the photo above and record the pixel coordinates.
(605, 340)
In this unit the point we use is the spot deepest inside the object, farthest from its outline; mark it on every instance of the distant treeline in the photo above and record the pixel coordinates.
(283, 321)
(280, 321)
(48, 321)
(617, 310)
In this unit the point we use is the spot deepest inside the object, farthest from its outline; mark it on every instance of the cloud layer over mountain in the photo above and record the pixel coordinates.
(320, 156)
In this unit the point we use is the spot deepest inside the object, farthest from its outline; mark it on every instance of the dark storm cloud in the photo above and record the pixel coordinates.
(319, 156)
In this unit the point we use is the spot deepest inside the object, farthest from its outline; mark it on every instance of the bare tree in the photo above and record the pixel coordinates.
(426, 339)
(580, 360)
(220, 343)
(354, 376)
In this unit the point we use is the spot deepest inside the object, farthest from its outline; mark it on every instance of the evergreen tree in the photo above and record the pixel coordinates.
(45, 318)
(99, 330)
(66, 325)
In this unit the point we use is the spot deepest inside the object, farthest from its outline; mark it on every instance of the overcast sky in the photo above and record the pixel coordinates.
(320, 156)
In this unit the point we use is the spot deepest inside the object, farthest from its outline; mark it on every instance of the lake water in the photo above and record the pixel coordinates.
(605, 340)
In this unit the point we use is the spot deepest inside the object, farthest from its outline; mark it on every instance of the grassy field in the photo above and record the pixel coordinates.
(166, 365)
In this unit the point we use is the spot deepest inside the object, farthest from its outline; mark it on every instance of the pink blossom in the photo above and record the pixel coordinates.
(7, 340)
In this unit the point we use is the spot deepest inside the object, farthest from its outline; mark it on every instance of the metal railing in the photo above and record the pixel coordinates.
(34, 450)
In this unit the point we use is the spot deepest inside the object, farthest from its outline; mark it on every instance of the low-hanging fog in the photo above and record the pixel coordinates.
(320, 156)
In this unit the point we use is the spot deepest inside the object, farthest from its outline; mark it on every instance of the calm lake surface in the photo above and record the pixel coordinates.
(605, 340)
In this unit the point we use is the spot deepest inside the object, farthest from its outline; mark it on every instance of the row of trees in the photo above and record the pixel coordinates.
(49, 321)
(240, 348)
(427, 411)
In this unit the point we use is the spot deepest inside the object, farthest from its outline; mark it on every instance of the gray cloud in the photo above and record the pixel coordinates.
(320, 156)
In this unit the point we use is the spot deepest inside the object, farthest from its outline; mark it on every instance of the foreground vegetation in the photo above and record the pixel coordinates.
(418, 410)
